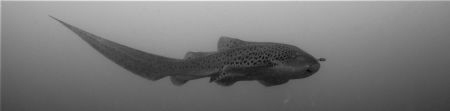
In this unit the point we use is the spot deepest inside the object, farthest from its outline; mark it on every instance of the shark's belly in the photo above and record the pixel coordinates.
(267, 76)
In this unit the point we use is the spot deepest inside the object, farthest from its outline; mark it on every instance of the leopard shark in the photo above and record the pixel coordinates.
(235, 60)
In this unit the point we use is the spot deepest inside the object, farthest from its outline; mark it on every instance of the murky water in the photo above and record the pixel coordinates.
(381, 56)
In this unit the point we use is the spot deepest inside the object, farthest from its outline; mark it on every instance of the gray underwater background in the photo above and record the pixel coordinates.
(381, 56)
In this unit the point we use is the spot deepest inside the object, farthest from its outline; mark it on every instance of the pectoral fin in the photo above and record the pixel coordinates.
(228, 81)
(224, 75)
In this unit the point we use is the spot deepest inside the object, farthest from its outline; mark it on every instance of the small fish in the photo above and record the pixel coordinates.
(236, 60)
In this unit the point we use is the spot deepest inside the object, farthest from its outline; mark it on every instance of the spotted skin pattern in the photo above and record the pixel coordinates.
(246, 59)
(236, 60)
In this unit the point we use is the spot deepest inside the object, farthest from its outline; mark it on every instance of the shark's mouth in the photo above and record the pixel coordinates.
(309, 71)
(312, 69)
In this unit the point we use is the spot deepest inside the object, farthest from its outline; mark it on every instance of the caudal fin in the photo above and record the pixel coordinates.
(144, 64)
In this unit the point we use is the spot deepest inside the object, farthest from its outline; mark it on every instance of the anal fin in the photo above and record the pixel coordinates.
(272, 81)
(181, 79)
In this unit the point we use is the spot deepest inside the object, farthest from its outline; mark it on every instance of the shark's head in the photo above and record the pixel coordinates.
(295, 63)
(269, 63)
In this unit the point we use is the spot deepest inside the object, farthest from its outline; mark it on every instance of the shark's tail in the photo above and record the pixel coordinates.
(144, 64)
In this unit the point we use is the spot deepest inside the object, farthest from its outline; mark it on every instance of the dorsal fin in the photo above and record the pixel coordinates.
(192, 55)
(226, 43)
